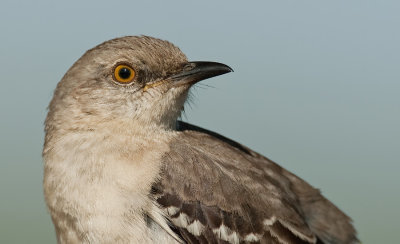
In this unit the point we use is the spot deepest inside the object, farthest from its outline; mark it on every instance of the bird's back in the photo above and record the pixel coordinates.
(215, 190)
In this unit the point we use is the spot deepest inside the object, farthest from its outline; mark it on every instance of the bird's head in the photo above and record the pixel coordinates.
(139, 81)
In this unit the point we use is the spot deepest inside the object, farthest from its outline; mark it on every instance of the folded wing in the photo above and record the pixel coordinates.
(214, 190)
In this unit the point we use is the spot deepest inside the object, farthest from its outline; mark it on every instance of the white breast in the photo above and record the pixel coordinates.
(96, 187)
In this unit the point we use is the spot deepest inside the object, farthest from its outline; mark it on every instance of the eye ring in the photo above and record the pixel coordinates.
(123, 73)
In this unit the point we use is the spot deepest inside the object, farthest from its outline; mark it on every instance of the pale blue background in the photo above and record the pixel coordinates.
(315, 88)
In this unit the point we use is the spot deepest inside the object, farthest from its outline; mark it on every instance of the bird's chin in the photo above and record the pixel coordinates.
(167, 85)
(180, 93)
(184, 83)
(164, 105)
(182, 87)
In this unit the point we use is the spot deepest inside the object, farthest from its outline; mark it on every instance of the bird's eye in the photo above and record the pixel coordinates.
(123, 73)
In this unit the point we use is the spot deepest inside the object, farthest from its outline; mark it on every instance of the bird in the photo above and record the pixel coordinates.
(121, 167)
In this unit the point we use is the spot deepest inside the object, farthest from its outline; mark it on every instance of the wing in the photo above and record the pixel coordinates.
(214, 190)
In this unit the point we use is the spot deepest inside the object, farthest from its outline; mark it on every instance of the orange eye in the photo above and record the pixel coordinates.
(123, 73)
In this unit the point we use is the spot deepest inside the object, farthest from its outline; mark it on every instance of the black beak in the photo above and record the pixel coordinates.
(196, 71)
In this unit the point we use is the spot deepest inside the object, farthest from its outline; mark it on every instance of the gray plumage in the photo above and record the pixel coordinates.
(120, 168)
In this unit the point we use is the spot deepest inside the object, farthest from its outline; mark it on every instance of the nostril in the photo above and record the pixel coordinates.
(188, 66)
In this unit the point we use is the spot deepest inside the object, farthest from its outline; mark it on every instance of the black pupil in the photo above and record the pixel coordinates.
(124, 73)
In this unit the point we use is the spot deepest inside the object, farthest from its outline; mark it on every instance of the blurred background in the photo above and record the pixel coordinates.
(316, 88)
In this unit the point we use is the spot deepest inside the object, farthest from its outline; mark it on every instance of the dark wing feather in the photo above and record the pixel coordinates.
(215, 190)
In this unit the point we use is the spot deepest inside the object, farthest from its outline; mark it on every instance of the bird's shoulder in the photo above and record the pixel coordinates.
(215, 190)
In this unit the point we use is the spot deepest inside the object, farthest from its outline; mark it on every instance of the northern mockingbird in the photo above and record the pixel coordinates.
(120, 168)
